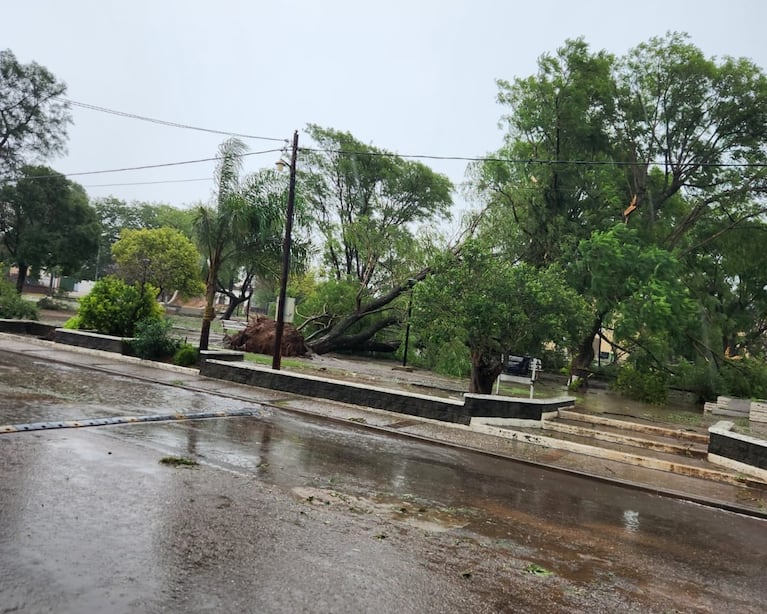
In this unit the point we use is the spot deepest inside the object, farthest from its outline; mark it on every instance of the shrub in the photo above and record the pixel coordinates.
(186, 355)
(51, 304)
(153, 340)
(114, 307)
(12, 305)
(701, 378)
(450, 358)
(647, 386)
(745, 378)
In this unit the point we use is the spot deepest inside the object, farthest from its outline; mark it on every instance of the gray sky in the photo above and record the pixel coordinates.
(414, 77)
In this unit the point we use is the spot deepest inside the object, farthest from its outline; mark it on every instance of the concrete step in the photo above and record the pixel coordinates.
(682, 442)
(691, 435)
(693, 466)
(614, 434)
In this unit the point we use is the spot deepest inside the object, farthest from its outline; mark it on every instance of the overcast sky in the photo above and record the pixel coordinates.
(414, 77)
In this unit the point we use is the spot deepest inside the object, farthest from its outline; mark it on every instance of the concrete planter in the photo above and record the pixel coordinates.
(742, 453)
(758, 411)
(27, 327)
(473, 407)
(513, 411)
(90, 340)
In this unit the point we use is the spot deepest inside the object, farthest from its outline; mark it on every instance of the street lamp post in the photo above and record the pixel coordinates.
(277, 355)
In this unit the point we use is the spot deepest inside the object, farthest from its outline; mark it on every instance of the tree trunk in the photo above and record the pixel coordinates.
(21, 278)
(235, 300)
(484, 371)
(585, 354)
(336, 339)
(209, 313)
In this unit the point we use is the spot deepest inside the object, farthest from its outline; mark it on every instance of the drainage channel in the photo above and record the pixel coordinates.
(70, 424)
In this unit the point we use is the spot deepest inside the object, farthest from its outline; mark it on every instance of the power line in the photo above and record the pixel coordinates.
(540, 161)
(162, 122)
(114, 185)
(150, 166)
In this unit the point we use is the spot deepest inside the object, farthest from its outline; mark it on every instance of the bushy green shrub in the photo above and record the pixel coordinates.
(153, 340)
(451, 358)
(647, 386)
(51, 304)
(701, 378)
(73, 323)
(13, 305)
(745, 378)
(553, 360)
(186, 355)
(114, 307)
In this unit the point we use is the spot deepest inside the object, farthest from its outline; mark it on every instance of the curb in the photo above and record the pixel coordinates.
(484, 431)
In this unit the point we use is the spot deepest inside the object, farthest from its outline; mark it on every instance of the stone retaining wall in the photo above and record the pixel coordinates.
(93, 341)
(737, 451)
(26, 327)
(514, 408)
(436, 408)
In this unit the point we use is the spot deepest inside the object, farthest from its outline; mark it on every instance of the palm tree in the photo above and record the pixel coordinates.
(217, 227)
(242, 214)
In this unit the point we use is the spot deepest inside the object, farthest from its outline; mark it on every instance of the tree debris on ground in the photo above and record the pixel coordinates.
(258, 337)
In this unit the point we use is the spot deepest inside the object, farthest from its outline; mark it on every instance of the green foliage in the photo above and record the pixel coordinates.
(684, 278)
(702, 378)
(745, 378)
(450, 358)
(186, 355)
(560, 114)
(51, 304)
(116, 215)
(47, 223)
(638, 284)
(492, 306)
(366, 206)
(74, 323)
(34, 116)
(114, 307)
(646, 386)
(153, 340)
(241, 229)
(12, 305)
(333, 297)
(163, 257)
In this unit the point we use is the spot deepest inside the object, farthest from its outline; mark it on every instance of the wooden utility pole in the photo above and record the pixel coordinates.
(277, 355)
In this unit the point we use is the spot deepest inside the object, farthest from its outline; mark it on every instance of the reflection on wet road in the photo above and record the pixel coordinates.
(77, 503)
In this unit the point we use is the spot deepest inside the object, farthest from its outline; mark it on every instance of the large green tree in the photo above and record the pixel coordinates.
(664, 139)
(163, 257)
(33, 117)
(116, 215)
(367, 204)
(493, 305)
(46, 223)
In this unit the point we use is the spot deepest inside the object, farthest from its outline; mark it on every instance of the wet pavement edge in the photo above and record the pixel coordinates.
(695, 490)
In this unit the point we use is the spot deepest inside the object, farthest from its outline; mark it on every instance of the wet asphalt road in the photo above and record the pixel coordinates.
(289, 513)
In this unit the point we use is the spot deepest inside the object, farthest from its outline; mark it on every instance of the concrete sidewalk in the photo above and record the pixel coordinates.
(736, 494)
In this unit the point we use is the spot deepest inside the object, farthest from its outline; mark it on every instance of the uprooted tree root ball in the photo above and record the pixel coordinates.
(258, 337)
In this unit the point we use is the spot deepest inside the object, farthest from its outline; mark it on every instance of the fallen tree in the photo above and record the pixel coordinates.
(258, 337)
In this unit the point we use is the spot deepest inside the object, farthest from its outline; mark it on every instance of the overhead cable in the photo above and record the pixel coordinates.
(162, 122)
(164, 165)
